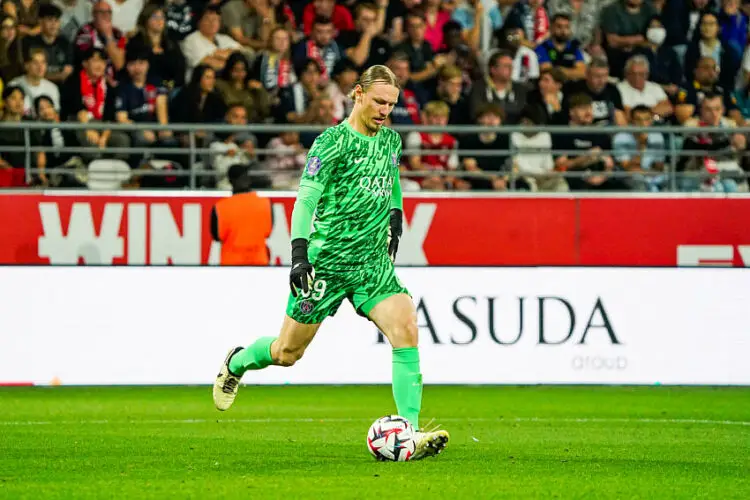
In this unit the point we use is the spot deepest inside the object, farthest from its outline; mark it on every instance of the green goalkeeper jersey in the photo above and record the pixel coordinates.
(356, 176)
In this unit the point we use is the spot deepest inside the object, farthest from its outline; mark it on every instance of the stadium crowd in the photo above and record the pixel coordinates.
(588, 63)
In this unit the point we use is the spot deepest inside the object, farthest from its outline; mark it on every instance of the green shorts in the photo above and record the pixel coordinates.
(365, 288)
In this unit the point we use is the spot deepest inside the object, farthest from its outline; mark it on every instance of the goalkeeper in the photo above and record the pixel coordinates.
(351, 193)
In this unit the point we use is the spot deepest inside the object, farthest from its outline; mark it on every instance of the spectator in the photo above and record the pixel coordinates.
(295, 100)
(101, 34)
(13, 164)
(75, 15)
(743, 78)
(733, 27)
(182, 17)
(412, 96)
(141, 101)
(454, 49)
(9, 8)
(439, 156)
(55, 139)
(247, 141)
(11, 56)
(287, 159)
(340, 15)
(423, 63)
(273, 67)
(281, 14)
(532, 155)
(248, 22)
(407, 110)
(664, 66)
(606, 99)
(708, 44)
(363, 45)
(525, 60)
(705, 82)
(531, 17)
(585, 153)
(435, 18)
(321, 46)
(561, 51)
(242, 222)
(232, 148)
(636, 90)
(641, 152)
(125, 14)
(27, 17)
(324, 110)
(742, 100)
(165, 60)
(499, 89)
(584, 20)
(33, 82)
(395, 19)
(87, 97)
(236, 87)
(719, 170)
(345, 76)
(624, 23)
(659, 6)
(199, 101)
(681, 19)
(207, 46)
(547, 96)
(321, 111)
(476, 27)
(496, 166)
(59, 51)
(450, 91)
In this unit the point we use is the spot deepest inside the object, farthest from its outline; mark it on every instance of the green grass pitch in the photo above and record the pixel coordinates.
(297, 442)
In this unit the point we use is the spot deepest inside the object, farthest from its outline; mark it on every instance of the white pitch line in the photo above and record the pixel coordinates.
(586, 420)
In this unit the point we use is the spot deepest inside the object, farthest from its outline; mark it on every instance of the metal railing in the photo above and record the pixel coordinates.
(196, 155)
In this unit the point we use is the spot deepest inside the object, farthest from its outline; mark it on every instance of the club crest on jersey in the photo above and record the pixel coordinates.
(306, 307)
(394, 160)
(313, 165)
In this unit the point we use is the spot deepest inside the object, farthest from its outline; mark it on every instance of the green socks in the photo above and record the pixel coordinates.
(407, 380)
(255, 357)
(407, 383)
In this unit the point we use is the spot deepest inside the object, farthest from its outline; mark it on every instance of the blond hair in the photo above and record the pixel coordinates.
(436, 108)
(449, 72)
(375, 74)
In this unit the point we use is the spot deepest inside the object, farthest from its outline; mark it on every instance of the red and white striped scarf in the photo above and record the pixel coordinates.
(313, 52)
(276, 72)
(93, 95)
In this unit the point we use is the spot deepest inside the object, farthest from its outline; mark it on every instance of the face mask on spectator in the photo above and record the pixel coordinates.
(656, 35)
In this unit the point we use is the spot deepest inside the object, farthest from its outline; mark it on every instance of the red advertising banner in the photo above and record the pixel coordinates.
(155, 229)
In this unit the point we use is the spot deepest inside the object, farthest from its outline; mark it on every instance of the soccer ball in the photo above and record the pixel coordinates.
(391, 439)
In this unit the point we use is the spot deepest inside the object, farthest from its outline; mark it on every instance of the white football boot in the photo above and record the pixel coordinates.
(226, 384)
(429, 443)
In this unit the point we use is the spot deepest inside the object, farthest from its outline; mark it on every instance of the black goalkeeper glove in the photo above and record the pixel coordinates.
(302, 274)
(395, 228)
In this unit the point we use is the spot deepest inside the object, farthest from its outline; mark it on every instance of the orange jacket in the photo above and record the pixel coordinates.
(243, 222)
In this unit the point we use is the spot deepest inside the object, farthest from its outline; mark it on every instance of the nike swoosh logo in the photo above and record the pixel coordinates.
(359, 160)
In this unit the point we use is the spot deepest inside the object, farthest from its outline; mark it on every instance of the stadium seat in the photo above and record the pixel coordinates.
(107, 174)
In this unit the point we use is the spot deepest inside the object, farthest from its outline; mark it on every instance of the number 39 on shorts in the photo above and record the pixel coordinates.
(317, 290)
